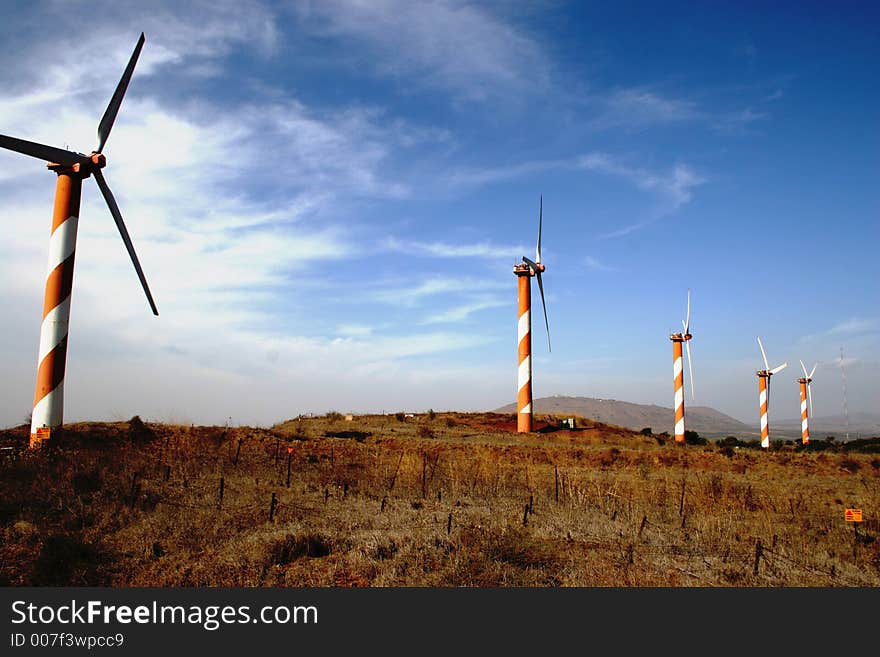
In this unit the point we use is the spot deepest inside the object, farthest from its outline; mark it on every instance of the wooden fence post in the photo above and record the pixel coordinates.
(556, 475)
(134, 485)
(272, 508)
(759, 551)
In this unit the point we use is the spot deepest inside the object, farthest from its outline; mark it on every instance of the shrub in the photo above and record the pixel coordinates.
(850, 465)
(647, 431)
(426, 432)
(431, 414)
(401, 417)
(693, 438)
(333, 416)
(293, 546)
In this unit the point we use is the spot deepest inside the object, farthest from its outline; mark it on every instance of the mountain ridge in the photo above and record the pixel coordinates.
(702, 419)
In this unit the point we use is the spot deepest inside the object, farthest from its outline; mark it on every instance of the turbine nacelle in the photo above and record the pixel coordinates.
(535, 268)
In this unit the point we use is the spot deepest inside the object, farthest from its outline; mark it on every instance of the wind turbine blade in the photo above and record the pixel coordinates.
(41, 151)
(540, 222)
(764, 354)
(779, 368)
(804, 368)
(810, 399)
(112, 110)
(544, 305)
(687, 322)
(813, 371)
(687, 345)
(117, 217)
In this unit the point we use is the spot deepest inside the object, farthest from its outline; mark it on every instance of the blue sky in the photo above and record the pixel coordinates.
(328, 198)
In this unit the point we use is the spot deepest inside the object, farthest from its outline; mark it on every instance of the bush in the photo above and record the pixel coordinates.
(333, 416)
(431, 414)
(693, 438)
(647, 431)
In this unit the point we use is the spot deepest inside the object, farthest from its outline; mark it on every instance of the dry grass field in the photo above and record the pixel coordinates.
(447, 499)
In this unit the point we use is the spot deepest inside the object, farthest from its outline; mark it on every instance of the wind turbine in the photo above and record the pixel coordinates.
(524, 272)
(678, 371)
(764, 394)
(806, 393)
(71, 169)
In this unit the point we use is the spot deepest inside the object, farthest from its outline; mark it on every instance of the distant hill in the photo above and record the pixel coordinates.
(702, 419)
(861, 425)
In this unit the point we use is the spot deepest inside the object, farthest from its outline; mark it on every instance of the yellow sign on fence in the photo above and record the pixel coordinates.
(853, 515)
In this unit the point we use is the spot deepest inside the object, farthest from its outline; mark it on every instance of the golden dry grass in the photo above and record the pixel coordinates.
(453, 500)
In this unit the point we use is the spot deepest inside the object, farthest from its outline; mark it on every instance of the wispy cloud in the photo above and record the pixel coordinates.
(639, 107)
(464, 311)
(456, 46)
(596, 265)
(412, 295)
(675, 184)
(852, 327)
(483, 249)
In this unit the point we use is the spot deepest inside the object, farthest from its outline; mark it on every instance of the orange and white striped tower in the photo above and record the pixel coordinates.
(524, 272)
(524, 349)
(805, 416)
(678, 376)
(763, 381)
(806, 402)
(764, 394)
(678, 371)
(49, 392)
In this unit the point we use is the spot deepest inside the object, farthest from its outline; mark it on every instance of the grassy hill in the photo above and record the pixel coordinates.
(433, 500)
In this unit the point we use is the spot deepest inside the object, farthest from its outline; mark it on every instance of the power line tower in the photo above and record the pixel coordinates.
(845, 408)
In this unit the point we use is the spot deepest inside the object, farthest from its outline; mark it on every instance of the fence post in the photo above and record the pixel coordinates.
(134, 485)
(759, 551)
(556, 474)
(220, 501)
(237, 451)
(272, 508)
(289, 455)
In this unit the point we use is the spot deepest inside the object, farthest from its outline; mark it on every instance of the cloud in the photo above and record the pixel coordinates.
(456, 286)
(464, 311)
(595, 265)
(484, 249)
(460, 47)
(849, 328)
(639, 107)
(675, 184)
